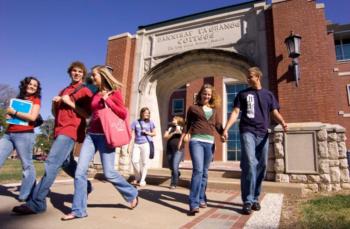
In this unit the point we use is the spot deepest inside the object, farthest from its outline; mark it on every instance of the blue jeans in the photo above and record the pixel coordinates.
(253, 165)
(23, 143)
(59, 156)
(201, 155)
(93, 143)
(174, 160)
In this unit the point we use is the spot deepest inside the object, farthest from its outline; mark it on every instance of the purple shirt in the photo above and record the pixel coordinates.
(256, 106)
(147, 126)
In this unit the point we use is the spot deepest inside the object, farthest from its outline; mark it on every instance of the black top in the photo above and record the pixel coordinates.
(173, 141)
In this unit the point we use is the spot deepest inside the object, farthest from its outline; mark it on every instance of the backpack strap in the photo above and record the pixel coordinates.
(74, 91)
(81, 86)
(139, 120)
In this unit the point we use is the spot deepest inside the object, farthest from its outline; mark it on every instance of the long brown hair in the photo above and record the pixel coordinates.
(215, 100)
(144, 109)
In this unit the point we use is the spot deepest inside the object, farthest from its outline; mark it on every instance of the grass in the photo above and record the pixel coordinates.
(12, 171)
(326, 212)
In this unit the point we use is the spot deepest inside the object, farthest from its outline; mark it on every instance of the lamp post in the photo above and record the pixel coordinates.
(293, 45)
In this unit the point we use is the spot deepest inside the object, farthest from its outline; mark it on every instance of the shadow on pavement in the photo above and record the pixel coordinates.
(107, 206)
(5, 191)
(163, 198)
(59, 200)
(237, 207)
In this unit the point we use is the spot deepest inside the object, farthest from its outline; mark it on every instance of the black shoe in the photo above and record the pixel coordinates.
(247, 209)
(256, 206)
(193, 212)
(89, 187)
(23, 210)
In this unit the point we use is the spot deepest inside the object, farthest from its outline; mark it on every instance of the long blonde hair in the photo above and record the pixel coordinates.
(107, 79)
(215, 100)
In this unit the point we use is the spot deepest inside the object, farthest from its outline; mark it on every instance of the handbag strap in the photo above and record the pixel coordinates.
(143, 129)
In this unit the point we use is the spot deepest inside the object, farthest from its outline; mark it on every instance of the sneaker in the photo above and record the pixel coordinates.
(247, 208)
(203, 205)
(256, 206)
(142, 183)
(172, 187)
(23, 210)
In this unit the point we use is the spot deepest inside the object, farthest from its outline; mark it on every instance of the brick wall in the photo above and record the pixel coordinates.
(120, 55)
(319, 95)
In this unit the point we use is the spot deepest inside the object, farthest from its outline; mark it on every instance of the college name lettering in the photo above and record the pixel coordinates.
(197, 35)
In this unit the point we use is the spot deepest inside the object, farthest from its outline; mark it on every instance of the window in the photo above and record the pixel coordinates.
(233, 142)
(342, 49)
(178, 107)
(348, 92)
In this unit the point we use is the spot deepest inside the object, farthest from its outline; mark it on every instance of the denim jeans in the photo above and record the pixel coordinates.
(253, 165)
(201, 155)
(58, 156)
(174, 160)
(23, 143)
(93, 143)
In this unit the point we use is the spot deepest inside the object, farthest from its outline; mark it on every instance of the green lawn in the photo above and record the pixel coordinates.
(327, 212)
(12, 171)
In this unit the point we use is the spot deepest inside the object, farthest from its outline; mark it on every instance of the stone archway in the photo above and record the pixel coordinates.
(159, 82)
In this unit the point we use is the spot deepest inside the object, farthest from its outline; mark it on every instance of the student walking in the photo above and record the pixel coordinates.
(256, 104)
(21, 137)
(202, 121)
(70, 108)
(143, 131)
(174, 156)
(108, 94)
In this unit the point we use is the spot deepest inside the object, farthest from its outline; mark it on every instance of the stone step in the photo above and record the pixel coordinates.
(187, 172)
(225, 180)
(220, 180)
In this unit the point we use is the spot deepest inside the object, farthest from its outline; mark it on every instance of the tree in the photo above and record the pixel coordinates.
(3, 124)
(45, 138)
(6, 93)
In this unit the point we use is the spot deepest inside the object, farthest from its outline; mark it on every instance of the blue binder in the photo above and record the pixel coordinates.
(23, 106)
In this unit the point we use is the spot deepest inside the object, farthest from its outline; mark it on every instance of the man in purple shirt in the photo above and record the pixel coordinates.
(256, 104)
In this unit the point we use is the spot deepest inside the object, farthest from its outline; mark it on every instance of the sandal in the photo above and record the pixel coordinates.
(70, 216)
(133, 205)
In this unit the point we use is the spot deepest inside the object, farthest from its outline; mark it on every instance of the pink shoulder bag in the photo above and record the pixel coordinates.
(117, 131)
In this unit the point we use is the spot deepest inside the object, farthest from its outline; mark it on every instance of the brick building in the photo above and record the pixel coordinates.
(164, 64)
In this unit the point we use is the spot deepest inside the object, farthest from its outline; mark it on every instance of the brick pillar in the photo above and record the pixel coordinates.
(120, 55)
(314, 99)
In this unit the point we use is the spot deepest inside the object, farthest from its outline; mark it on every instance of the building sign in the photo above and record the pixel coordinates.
(201, 37)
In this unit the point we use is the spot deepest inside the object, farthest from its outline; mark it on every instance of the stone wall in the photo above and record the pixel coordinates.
(332, 173)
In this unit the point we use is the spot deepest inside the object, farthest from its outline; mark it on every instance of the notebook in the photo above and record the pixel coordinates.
(23, 106)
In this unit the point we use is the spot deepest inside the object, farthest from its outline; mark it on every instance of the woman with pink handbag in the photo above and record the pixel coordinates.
(108, 95)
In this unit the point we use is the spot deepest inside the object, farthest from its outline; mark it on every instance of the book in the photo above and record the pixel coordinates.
(20, 105)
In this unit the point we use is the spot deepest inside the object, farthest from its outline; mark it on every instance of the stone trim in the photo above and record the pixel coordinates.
(120, 36)
(331, 153)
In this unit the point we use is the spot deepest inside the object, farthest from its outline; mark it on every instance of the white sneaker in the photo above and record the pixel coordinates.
(143, 183)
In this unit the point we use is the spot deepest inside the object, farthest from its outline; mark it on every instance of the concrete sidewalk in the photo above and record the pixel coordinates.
(159, 207)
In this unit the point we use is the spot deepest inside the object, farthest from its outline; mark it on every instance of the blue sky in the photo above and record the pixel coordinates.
(42, 37)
